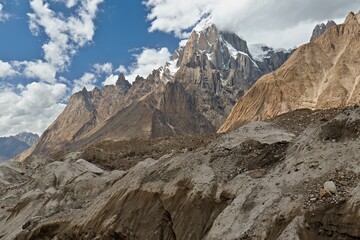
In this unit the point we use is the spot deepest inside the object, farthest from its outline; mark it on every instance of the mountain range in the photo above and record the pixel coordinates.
(13, 145)
(193, 93)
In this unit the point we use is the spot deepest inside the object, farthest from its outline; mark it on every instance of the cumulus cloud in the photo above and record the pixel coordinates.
(148, 60)
(34, 106)
(106, 68)
(6, 70)
(43, 71)
(66, 34)
(29, 110)
(257, 20)
(3, 15)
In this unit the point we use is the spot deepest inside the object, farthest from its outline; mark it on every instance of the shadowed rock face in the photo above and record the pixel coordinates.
(261, 181)
(321, 74)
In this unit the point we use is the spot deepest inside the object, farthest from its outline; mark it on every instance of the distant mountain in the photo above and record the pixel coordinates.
(13, 145)
(322, 74)
(193, 93)
(28, 138)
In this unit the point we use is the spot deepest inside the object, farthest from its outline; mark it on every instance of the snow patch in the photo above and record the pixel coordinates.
(168, 71)
(172, 66)
(183, 42)
(203, 24)
(234, 53)
(257, 52)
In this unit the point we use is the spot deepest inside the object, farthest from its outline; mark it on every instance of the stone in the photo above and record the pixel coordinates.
(314, 164)
(330, 187)
(313, 200)
(324, 193)
(299, 162)
(258, 173)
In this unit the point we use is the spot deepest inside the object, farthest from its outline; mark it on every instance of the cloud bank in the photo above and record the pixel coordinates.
(146, 61)
(3, 15)
(34, 106)
(277, 23)
(33, 109)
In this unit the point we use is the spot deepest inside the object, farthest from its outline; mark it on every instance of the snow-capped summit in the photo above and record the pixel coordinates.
(204, 24)
(268, 57)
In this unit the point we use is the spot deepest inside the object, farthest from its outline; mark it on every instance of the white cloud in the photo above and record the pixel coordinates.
(98, 72)
(110, 80)
(106, 68)
(6, 70)
(71, 3)
(88, 81)
(66, 34)
(121, 69)
(34, 106)
(41, 70)
(147, 61)
(30, 110)
(3, 15)
(257, 20)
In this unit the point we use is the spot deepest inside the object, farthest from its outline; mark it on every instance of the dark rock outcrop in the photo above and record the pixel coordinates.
(321, 28)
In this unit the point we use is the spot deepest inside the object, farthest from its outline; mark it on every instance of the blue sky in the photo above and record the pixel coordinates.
(50, 49)
(121, 32)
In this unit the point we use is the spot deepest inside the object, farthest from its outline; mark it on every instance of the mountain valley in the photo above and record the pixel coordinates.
(226, 141)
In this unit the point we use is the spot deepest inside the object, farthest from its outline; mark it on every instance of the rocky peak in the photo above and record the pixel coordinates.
(268, 58)
(352, 17)
(84, 90)
(321, 28)
(218, 47)
(122, 83)
(213, 68)
(235, 41)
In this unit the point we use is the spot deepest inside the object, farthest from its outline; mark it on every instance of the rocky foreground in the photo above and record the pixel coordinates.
(293, 177)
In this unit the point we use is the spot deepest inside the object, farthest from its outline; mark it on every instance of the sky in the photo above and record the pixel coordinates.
(50, 49)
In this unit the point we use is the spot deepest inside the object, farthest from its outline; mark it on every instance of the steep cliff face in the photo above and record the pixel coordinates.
(218, 67)
(88, 111)
(321, 74)
(168, 112)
